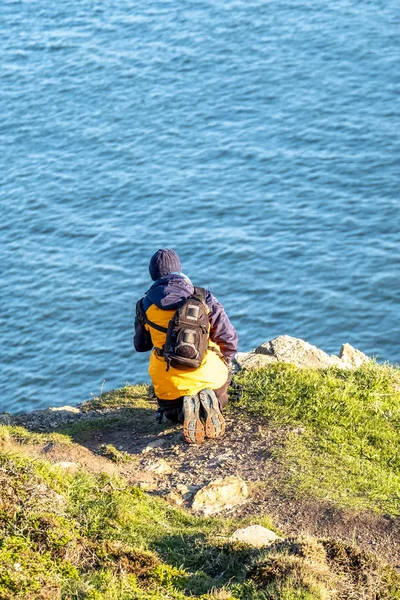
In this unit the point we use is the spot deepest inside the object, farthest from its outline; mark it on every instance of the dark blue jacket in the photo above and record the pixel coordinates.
(167, 293)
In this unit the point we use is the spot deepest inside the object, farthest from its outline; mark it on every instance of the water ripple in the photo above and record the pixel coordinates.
(259, 140)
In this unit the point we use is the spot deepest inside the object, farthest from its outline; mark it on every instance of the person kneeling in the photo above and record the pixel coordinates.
(192, 343)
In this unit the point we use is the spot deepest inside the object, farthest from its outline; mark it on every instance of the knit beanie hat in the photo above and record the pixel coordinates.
(164, 261)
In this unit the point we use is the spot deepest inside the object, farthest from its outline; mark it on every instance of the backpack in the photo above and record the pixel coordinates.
(187, 333)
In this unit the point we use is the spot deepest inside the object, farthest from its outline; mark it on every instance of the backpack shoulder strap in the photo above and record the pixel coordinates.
(142, 318)
(201, 293)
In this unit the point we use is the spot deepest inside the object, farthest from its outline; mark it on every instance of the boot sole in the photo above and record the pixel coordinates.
(193, 428)
(215, 422)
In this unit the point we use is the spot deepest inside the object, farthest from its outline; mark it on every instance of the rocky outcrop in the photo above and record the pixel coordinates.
(281, 349)
(299, 353)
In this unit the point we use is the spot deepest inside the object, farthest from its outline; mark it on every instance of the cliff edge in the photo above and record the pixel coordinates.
(299, 500)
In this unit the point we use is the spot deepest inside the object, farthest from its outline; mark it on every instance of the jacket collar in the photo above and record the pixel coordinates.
(169, 291)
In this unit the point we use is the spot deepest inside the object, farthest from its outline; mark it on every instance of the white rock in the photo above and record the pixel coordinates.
(66, 465)
(220, 494)
(187, 491)
(70, 409)
(352, 357)
(154, 444)
(160, 467)
(255, 535)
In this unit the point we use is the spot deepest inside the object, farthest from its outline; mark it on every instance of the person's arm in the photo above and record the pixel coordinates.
(142, 338)
(222, 331)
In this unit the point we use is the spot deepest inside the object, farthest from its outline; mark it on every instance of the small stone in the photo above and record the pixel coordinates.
(220, 494)
(168, 431)
(174, 498)
(66, 465)
(5, 419)
(299, 430)
(255, 535)
(187, 491)
(70, 409)
(153, 445)
(160, 467)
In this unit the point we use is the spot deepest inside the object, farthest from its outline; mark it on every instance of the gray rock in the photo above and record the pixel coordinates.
(50, 418)
(239, 362)
(186, 491)
(251, 360)
(6, 419)
(54, 417)
(159, 466)
(154, 445)
(292, 350)
(352, 357)
(220, 494)
(255, 535)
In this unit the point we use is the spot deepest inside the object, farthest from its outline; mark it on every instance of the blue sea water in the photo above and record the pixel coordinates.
(258, 139)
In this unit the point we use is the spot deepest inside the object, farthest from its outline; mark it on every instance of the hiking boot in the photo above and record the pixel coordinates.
(193, 428)
(215, 422)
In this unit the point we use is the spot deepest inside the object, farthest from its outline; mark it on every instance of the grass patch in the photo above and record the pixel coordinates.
(129, 396)
(109, 451)
(343, 429)
(24, 436)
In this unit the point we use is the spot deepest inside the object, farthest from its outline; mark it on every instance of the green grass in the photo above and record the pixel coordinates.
(24, 436)
(75, 536)
(129, 396)
(112, 453)
(343, 429)
(78, 536)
